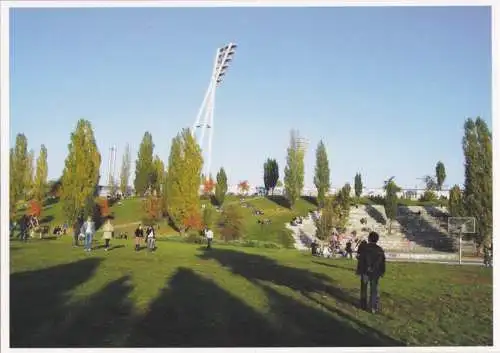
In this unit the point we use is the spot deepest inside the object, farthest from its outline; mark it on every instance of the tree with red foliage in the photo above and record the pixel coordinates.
(104, 207)
(208, 186)
(153, 208)
(35, 208)
(244, 186)
(193, 221)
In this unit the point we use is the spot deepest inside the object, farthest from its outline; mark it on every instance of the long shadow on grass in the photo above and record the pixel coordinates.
(257, 269)
(313, 200)
(193, 311)
(279, 200)
(42, 317)
(37, 299)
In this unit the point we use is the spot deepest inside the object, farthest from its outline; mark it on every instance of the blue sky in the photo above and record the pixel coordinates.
(386, 88)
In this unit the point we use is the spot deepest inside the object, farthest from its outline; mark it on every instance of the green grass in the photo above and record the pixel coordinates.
(130, 212)
(182, 295)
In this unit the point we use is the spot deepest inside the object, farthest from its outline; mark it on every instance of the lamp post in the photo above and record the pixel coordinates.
(205, 117)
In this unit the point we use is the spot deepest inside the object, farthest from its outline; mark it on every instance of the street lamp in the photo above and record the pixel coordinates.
(205, 118)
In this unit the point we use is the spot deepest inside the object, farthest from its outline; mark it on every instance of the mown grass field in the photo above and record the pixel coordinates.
(184, 296)
(130, 212)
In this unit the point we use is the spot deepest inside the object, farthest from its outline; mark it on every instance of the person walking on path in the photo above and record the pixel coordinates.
(210, 236)
(88, 230)
(371, 267)
(108, 233)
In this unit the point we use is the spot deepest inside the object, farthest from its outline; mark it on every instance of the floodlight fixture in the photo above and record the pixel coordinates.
(205, 118)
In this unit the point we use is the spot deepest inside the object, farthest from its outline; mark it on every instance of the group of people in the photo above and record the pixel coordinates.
(147, 236)
(334, 246)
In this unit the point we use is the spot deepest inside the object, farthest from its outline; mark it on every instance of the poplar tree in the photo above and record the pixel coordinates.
(81, 173)
(478, 185)
(125, 170)
(271, 174)
(183, 180)
(440, 175)
(40, 182)
(158, 175)
(322, 173)
(294, 170)
(221, 186)
(358, 185)
(19, 167)
(30, 175)
(144, 165)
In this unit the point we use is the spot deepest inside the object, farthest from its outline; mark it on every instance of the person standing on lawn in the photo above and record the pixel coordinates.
(89, 230)
(77, 227)
(371, 267)
(139, 233)
(210, 236)
(108, 233)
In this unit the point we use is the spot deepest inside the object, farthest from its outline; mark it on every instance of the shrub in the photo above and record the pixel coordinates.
(285, 238)
(231, 223)
(428, 195)
(194, 238)
(377, 200)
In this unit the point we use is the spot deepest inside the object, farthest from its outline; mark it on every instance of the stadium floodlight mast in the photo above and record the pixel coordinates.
(205, 118)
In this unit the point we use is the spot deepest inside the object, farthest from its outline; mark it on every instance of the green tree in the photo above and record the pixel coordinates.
(455, 202)
(158, 175)
(19, 169)
(40, 183)
(221, 186)
(478, 185)
(30, 175)
(208, 216)
(430, 183)
(144, 165)
(12, 185)
(81, 173)
(391, 201)
(322, 173)
(183, 180)
(326, 222)
(294, 170)
(125, 170)
(358, 185)
(440, 175)
(271, 174)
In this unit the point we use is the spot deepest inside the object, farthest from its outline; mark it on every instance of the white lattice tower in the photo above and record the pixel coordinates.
(205, 118)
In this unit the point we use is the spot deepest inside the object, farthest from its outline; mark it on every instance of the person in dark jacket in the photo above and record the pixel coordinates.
(348, 249)
(139, 234)
(371, 267)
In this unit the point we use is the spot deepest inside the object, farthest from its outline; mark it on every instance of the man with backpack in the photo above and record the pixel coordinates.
(371, 267)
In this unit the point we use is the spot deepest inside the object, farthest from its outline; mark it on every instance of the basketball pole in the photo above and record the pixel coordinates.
(460, 246)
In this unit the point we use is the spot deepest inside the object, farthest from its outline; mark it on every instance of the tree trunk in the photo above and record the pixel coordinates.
(390, 226)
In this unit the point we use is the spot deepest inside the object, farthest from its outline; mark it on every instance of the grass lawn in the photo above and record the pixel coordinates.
(130, 212)
(182, 295)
